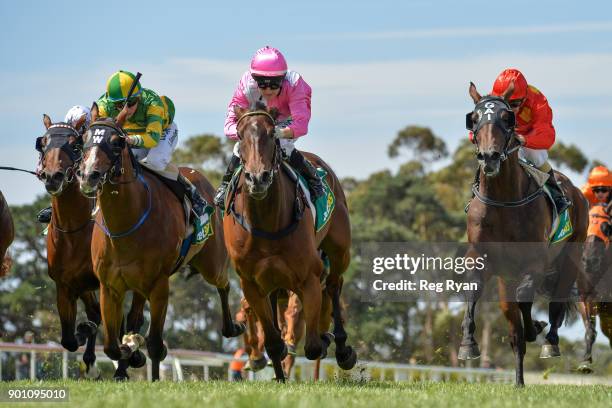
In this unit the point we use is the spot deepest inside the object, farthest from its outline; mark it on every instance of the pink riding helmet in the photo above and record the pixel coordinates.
(268, 62)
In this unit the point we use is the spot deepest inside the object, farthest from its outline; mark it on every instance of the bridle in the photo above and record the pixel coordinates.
(57, 137)
(489, 110)
(99, 134)
(298, 207)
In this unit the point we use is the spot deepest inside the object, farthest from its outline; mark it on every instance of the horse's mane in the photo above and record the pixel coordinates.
(258, 106)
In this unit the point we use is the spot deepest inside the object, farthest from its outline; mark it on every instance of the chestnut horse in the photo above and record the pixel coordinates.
(141, 226)
(595, 293)
(69, 242)
(271, 239)
(505, 192)
(7, 234)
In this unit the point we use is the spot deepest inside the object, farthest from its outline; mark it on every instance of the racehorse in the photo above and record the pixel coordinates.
(7, 234)
(140, 229)
(69, 242)
(511, 208)
(270, 236)
(595, 293)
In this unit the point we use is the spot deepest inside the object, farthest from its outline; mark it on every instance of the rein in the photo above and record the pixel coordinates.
(141, 220)
(298, 208)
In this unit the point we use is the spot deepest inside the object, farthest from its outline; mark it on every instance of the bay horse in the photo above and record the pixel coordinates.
(511, 208)
(69, 242)
(270, 236)
(595, 292)
(137, 242)
(7, 234)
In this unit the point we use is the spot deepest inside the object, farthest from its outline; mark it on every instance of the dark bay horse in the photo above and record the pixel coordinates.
(594, 285)
(271, 239)
(511, 208)
(7, 234)
(137, 241)
(69, 241)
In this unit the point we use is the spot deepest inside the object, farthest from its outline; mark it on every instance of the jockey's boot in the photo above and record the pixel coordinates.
(561, 201)
(227, 177)
(44, 216)
(306, 169)
(198, 204)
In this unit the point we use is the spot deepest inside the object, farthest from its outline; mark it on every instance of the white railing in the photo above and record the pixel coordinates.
(177, 359)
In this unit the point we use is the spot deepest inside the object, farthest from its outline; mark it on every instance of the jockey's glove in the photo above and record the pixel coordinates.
(606, 228)
(281, 132)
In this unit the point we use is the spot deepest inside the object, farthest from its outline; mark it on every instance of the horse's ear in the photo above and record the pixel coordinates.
(79, 122)
(474, 93)
(239, 111)
(508, 92)
(47, 121)
(94, 112)
(273, 112)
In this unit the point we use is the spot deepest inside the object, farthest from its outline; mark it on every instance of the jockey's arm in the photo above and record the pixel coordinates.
(541, 136)
(152, 133)
(238, 99)
(299, 106)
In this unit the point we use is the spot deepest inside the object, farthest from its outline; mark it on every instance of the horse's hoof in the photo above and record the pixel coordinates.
(257, 365)
(539, 326)
(585, 368)
(550, 351)
(87, 328)
(327, 339)
(468, 352)
(121, 378)
(347, 360)
(92, 373)
(126, 351)
(137, 359)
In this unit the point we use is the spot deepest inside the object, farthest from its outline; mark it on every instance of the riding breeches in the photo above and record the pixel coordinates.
(539, 157)
(286, 145)
(159, 156)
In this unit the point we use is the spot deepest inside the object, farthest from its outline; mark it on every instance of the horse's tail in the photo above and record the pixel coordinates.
(5, 267)
(570, 309)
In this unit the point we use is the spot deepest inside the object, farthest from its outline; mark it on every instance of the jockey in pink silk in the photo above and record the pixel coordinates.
(271, 83)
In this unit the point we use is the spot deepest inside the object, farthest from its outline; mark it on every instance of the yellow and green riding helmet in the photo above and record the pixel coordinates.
(119, 85)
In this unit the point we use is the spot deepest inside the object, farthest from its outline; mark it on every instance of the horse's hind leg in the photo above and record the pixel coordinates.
(135, 320)
(88, 331)
(275, 346)
(158, 300)
(588, 318)
(605, 319)
(345, 355)
(295, 330)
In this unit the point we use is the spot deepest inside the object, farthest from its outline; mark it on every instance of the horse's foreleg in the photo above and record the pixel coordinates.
(229, 328)
(311, 297)
(517, 339)
(88, 330)
(468, 349)
(67, 308)
(345, 355)
(111, 304)
(134, 322)
(588, 319)
(158, 300)
(275, 346)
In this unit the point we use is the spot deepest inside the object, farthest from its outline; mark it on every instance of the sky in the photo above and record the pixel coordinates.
(374, 66)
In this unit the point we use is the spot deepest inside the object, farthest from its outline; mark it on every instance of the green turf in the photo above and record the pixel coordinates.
(319, 395)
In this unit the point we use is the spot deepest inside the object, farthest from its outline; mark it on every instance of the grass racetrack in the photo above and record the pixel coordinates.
(322, 394)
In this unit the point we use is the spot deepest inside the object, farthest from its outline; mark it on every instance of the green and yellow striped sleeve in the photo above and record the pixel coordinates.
(148, 137)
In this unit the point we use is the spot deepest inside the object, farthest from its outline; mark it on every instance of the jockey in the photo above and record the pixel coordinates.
(598, 188)
(152, 132)
(73, 115)
(534, 128)
(268, 81)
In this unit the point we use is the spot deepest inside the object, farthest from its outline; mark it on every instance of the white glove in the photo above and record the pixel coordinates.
(279, 133)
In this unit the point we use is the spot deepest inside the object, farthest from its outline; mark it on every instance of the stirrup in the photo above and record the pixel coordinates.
(219, 199)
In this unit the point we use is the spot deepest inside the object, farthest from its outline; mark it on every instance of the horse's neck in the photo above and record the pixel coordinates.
(268, 214)
(510, 184)
(123, 203)
(71, 209)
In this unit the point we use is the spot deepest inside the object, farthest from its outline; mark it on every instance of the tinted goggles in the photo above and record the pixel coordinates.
(269, 82)
(600, 189)
(131, 102)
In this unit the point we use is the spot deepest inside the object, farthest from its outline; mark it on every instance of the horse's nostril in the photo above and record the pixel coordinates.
(480, 156)
(249, 177)
(265, 176)
(495, 156)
